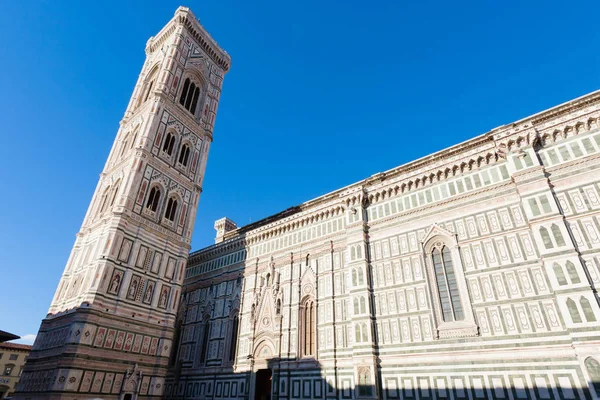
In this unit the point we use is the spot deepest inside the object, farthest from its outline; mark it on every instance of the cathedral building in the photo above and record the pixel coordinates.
(471, 273)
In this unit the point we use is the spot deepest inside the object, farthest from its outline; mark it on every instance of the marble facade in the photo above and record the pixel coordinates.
(517, 211)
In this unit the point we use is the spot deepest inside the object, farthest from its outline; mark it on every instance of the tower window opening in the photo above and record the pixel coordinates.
(148, 91)
(124, 147)
(104, 201)
(147, 88)
(184, 91)
(169, 143)
(184, 155)
(114, 196)
(189, 95)
(171, 208)
(195, 100)
(134, 138)
(188, 100)
(153, 199)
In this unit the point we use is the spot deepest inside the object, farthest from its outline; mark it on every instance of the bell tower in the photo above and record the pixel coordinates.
(110, 327)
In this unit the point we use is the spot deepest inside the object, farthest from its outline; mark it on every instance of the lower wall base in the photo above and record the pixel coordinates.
(542, 378)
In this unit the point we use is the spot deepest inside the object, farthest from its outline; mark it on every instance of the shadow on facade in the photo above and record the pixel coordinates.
(289, 378)
(267, 379)
(280, 378)
(277, 382)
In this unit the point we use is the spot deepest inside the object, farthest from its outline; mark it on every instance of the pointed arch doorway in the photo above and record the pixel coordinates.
(262, 389)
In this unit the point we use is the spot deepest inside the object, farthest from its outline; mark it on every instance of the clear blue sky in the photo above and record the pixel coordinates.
(320, 94)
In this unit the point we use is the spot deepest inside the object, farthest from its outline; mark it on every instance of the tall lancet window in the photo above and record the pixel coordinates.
(205, 337)
(233, 337)
(451, 308)
(308, 343)
(447, 285)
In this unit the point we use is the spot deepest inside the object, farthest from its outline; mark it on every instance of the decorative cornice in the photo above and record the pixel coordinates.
(185, 17)
(579, 115)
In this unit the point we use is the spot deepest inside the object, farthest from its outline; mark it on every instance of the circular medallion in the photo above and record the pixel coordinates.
(307, 289)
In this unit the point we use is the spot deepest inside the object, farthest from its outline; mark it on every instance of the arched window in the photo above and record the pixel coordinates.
(189, 96)
(148, 91)
(134, 137)
(560, 241)
(356, 307)
(546, 238)
(153, 198)
(148, 86)
(104, 200)
(195, 101)
(171, 209)
(363, 307)
(352, 253)
(361, 277)
(560, 275)
(205, 336)
(115, 192)
(309, 320)
(365, 335)
(233, 338)
(186, 86)
(573, 275)
(572, 307)
(360, 333)
(124, 146)
(447, 285)
(587, 309)
(169, 143)
(184, 155)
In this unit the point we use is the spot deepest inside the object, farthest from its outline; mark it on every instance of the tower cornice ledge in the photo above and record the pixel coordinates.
(186, 17)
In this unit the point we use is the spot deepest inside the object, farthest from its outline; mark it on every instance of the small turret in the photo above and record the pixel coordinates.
(222, 226)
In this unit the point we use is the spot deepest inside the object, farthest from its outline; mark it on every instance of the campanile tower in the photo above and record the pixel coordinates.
(109, 330)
